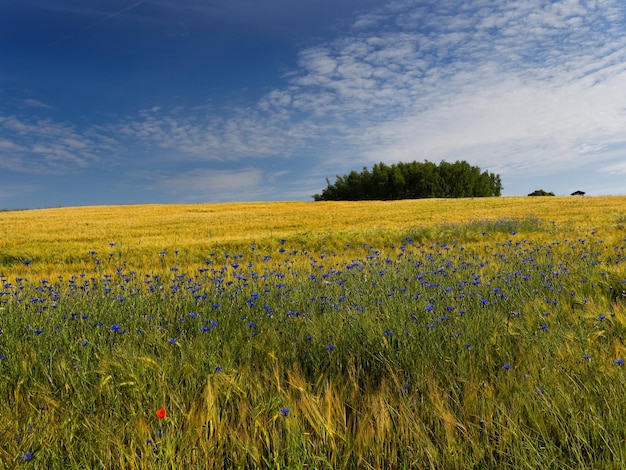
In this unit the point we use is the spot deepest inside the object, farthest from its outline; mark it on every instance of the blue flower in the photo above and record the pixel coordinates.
(285, 411)
(331, 347)
(27, 455)
(115, 327)
(619, 362)
(507, 366)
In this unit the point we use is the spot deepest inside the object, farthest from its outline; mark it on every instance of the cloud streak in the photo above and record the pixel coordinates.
(114, 15)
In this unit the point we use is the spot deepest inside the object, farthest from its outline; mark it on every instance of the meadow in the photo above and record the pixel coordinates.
(467, 333)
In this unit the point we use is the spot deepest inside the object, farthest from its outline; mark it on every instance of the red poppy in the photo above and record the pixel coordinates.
(160, 413)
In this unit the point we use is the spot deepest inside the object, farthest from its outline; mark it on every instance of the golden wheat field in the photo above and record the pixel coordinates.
(444, 334)
(61, 239)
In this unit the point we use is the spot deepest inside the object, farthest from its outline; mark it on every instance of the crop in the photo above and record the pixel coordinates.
(464, 341)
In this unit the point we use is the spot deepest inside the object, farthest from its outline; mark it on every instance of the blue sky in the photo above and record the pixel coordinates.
(164, 101)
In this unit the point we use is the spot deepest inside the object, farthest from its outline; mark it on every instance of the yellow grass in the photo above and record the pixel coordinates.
(60, 239)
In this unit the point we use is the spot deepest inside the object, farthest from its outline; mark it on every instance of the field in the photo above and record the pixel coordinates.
(476, 333)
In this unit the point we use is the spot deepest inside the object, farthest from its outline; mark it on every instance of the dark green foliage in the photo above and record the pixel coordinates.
(541, 192)
(415, 180)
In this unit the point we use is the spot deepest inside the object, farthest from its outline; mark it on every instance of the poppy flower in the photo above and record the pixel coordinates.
(160, 413)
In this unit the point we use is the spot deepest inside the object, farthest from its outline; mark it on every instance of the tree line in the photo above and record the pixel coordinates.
(415, 180)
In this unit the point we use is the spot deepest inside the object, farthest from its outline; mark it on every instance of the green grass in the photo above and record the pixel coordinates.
(491, 343)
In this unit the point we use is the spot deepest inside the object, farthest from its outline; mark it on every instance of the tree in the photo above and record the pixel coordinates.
(413, 180)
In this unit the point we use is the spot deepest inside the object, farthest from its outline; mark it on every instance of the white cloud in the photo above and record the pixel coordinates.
(36, 145)
(215, 185)
(32, 103)
(524, 86)
(8, 146)
(511, 115)
(515, 85)
(616, 169)
(246, 133)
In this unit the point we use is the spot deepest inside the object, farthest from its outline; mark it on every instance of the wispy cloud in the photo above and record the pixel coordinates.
(616, 168)
(33, 103)
(202, 185)
(43, 146)
(526, 86)
(216, 136)
(509, 85)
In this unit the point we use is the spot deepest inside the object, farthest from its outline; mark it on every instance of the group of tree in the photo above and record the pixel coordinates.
(415, 180)
(541, 192)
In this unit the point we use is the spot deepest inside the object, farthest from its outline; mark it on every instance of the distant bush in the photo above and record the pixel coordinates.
(541, 192)
(413, 180)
